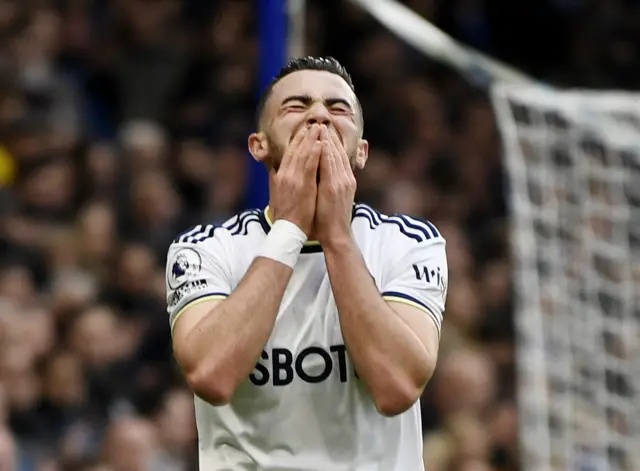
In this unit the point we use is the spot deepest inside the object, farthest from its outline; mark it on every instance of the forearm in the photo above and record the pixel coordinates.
(388, 356)
(225, 345)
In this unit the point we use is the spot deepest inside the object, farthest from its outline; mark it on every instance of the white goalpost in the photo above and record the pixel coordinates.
(573, 160)
(296, 14)
(573, 164)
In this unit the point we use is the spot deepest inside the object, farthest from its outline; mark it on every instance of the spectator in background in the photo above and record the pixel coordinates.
(7, 451)
(123, 122)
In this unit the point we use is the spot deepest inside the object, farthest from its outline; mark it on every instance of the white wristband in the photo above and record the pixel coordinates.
(284, 242)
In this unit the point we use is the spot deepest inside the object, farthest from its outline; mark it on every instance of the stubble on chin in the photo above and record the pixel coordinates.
(276, 152)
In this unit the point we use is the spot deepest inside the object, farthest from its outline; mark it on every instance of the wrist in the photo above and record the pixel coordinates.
(283, 243)
(338, 243)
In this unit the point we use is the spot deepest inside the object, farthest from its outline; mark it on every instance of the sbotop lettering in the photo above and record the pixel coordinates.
(311, 365)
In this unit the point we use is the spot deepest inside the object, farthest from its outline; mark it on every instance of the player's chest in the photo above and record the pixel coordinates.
(306, 348)
(308, 313)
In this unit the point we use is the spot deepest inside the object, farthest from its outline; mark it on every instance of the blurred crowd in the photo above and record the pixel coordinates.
(122, 122)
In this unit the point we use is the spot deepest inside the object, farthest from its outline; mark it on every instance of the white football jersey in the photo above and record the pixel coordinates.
(303, 408)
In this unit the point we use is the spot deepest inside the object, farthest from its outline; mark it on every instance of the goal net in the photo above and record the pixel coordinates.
(573, 160)
(573, 166)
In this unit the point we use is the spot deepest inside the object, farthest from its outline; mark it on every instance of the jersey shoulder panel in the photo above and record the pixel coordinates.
(237, 224)
(247, 223)
(410, 258)
(204, 262)
(395, 228)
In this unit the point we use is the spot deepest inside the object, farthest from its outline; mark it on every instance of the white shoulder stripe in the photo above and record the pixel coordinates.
(426, 225)
(198, 233)
(235, 221)
(243, 229)
(408, 226)
(238, 224)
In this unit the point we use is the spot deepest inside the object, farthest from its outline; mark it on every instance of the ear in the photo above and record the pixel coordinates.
(258, 146)
(363, 153)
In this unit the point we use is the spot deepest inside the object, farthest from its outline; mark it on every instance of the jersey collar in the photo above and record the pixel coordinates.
(309, 247)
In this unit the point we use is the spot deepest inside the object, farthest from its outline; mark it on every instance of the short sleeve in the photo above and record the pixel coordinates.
(417, 274)
(198, 270)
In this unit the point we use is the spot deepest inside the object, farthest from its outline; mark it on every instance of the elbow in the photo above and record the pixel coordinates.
(205, 377)
(398, 400)
(210, 386)
(402, 395)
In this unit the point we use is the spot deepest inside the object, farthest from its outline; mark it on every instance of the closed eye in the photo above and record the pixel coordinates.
(296, 103)
(296, 108)
(339, 106)
(340, 109)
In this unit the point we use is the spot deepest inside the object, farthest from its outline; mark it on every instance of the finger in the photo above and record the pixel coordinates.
(305, 149)
(340, 155)
(293, 146)
(326, 165)
(312, 162)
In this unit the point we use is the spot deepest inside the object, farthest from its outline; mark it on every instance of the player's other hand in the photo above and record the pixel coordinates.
(336, 191)
(294, 187)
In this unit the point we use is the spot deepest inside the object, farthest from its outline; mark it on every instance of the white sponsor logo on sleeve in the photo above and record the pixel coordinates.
(186, 290)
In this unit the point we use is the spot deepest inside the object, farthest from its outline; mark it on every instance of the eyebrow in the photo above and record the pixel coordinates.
(307, 100)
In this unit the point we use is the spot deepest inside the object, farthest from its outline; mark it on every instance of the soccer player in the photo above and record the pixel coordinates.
(308, 330)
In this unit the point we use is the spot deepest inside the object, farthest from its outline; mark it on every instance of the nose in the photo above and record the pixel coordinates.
(318, 114)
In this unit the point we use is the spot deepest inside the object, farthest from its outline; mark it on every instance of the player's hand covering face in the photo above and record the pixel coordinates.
(293, 185)
(336, 190)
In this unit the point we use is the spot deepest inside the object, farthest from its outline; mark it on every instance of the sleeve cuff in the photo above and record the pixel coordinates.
(397, 297)
(200, 299)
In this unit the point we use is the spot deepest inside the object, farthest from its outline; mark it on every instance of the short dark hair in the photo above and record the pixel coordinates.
(326, 64)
